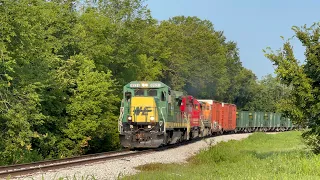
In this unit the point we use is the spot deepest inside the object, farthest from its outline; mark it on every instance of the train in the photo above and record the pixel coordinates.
(154, 115)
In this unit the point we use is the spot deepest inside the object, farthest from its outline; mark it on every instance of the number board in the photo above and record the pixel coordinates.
(135, 85)
(155, 85)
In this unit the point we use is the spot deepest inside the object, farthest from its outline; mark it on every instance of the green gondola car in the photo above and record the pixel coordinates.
(271, 121)
(243, 121)
(277, 121)
(248, 121)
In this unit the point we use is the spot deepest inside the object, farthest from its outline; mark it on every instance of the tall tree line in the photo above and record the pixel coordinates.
(64, 62)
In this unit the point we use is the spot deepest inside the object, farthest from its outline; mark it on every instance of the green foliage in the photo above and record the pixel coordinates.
(124, 43)
(302, 104)
(91, 107)
(260, 156)
(26, 62)
(245, 89)
(194, 65)
(267, 95)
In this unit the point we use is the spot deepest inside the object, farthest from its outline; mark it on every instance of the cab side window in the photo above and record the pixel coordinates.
(128, 95)
(163, 96)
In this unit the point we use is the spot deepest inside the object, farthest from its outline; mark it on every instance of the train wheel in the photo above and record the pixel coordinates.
(185, 135)
(181, 137)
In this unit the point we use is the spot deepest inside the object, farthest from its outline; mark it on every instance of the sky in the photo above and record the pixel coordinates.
(252, 24)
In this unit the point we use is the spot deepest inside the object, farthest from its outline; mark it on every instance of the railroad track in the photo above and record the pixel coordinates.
(19, 170)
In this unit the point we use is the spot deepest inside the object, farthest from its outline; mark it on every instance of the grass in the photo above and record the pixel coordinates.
(260, 156)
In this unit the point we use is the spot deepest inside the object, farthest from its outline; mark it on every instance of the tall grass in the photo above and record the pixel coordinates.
(260, 156)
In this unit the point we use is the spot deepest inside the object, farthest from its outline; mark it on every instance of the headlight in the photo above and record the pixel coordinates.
(151, 118)
(129, 118)
(149, 126)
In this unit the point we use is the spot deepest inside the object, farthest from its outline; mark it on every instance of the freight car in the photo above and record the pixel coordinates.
(248, 121)
(152, 115)
(223, 116)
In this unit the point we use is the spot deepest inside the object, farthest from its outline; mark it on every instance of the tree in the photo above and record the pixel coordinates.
(91, 109)
(234, 70)
(269, 95)
(30, 35)
(197, 57)
(123, 42)
(246, 90)
(303, 102)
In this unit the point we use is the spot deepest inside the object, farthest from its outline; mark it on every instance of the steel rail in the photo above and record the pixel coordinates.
(42, 166)
(19, 170)
(24, 165)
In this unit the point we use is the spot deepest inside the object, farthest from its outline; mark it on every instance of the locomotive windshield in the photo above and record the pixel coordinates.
(139, 92)
(145, 92)
(152, 92)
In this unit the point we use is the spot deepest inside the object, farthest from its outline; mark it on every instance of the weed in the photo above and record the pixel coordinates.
(151, 167)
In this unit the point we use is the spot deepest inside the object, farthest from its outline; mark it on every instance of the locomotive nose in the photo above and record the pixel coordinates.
(143, 109)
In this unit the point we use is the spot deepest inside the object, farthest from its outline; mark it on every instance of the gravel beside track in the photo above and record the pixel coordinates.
(112, 169)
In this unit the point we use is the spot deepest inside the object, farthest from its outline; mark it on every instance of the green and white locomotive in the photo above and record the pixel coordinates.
(150, 115)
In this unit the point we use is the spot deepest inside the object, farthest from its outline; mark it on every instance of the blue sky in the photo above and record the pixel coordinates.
(253, 24)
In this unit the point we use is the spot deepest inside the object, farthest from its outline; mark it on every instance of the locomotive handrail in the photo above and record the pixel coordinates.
(120, 119)
(164, 120)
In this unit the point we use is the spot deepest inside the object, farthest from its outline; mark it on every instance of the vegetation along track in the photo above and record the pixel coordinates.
(42, 166)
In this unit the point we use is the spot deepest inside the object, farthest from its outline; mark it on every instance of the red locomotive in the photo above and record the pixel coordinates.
(191, 106)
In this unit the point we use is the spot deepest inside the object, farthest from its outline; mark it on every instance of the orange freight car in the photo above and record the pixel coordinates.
(223, 116)
(229, 117)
